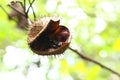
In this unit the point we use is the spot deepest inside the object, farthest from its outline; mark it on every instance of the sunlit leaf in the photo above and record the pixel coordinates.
(116, 45)
(93, 73)
(79, 67)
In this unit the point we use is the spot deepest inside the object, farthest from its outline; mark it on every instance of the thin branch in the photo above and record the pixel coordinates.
(32, 9)
(4, 10)
(24, 5)
(20, 4)
(16, 10)
(8, 14)
(94, 61)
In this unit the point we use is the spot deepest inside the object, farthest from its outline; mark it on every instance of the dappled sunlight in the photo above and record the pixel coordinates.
(95, 29)
(15, 57)
(97, 40)
(100, 25)
(103, 54)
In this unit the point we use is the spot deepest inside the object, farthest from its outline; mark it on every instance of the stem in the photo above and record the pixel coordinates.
(24, 5)
(20, 4)
(8, 14)
(32, 9)
(94, 61)
(16, 10)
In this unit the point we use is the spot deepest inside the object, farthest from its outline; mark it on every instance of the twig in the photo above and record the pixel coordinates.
(16, 10)
(93, 61)
(32, 9)
(24, 5)
(8, 14)
(20, 4)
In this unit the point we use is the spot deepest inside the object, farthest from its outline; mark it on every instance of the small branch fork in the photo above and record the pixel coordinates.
(23, 5)
(93, 61)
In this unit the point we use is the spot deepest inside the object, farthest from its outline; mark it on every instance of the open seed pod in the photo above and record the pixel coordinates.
(47, 37)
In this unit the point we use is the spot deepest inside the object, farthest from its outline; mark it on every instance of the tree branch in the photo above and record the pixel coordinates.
(94, 61)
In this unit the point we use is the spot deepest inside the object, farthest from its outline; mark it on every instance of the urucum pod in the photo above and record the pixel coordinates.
(47, 37)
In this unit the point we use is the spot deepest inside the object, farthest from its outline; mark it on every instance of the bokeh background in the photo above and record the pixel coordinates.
(95, 29)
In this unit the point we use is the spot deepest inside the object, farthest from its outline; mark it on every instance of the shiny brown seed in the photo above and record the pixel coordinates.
(47, 37)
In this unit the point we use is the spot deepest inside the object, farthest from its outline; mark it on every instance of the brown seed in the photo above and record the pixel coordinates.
(47, 37)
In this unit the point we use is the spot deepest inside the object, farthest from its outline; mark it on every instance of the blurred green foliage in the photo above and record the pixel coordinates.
(94, 25)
